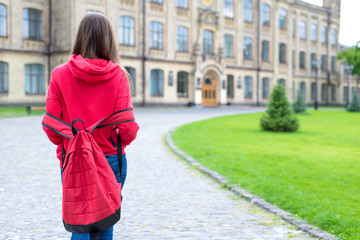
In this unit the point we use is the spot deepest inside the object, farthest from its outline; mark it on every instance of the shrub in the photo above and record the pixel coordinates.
(299, 105)
(354, 105)
(278, 116)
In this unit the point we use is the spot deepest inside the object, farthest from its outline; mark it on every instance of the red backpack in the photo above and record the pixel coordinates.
(91, 195)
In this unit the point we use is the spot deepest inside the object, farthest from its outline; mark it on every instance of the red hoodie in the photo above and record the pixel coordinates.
(89, 89)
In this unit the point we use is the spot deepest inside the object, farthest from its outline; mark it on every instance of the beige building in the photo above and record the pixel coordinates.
(207, 52)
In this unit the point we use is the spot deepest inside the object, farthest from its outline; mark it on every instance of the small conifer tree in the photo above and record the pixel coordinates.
(354, 105)
(299, 105)
(278, 116)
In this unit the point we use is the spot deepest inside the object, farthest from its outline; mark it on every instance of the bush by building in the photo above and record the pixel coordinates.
(354, 105)
(299, 105)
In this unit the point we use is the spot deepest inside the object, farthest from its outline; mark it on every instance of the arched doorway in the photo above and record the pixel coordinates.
(209, 93)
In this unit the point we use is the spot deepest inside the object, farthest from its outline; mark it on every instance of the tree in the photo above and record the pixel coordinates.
(278, 116)
(351, 56)
(299, 105)
(354, 105)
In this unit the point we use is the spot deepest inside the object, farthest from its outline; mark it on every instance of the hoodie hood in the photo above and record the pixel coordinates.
(92, 70)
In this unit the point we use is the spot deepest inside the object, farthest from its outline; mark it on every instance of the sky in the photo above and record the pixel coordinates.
(350, 17)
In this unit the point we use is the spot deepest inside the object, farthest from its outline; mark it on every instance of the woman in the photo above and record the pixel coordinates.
(90, 86)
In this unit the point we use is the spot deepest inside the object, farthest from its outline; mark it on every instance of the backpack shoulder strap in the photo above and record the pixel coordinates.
(57, 125)
(122, 116)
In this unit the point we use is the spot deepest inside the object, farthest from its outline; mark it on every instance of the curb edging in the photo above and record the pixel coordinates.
(286, 216)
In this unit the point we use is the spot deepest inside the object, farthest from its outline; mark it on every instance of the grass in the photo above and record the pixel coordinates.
(313, 173)
(7, 112)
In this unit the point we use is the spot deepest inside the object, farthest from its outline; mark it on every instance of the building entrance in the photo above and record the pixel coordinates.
(209, 91)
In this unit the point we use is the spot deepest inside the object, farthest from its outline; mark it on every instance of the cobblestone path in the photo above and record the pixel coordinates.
(163, 197)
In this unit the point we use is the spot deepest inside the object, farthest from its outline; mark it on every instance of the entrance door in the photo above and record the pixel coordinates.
(209, 92)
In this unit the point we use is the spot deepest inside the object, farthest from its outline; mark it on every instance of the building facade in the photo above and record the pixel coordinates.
(206, 52)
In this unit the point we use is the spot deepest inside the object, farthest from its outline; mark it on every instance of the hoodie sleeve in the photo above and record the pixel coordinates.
(127, 130)
(54, 107)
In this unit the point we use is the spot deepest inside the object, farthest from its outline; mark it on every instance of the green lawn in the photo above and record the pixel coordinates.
(6, 112)
(314, 173)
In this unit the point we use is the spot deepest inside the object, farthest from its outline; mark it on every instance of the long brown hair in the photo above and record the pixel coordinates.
(95, 39)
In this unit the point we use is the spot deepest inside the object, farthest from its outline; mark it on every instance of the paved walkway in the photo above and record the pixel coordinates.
(163, 197)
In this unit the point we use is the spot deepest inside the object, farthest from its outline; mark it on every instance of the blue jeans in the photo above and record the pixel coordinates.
(114, 164)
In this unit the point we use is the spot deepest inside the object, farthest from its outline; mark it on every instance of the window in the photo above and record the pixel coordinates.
(265, 51)
(229, 45)
(157, 83)
(313, 62)
(34, 79)
(131, 72)
(32, 24)
(333, 64)
(229, 8)
(303, 90)
(323, 34)
(313, 91)
(313, 32)
(248, 87)
(282, 82)
(282, 18)
(346, 93)
(302, 29)
(333, 36)
(265, 14)
(265, 87)
(323, 63)
(302, 60)
(247, 48)
(157, 1)
(127, 31)
(248, 10)
(156, 35)
(4, 69)
(182, 84)
(208, 42)
(182, 4)
(230, 86)
(282, 53)
(323, 92)
(333, 92)
(181, 39)
(3, 21)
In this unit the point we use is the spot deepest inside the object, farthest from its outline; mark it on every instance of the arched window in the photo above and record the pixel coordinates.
(303, 90)
(265, 51)
(32, 24)
(282, 82)
(248, 87)
(126, 30)
(229, 46)
(181, 39)
(302, 29)
(265, 87)
(182, 4)
(265, 14)
(4, 74)
(3, 20)
(230, 86)
(229, 8)
(34, 79)
(282, 53)
(208, 42)
(157, 82)
(248, 10)
(323, 91)
(282, 18)
(131, 71)
(247, 48)
(182, 84)
(156, 35)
